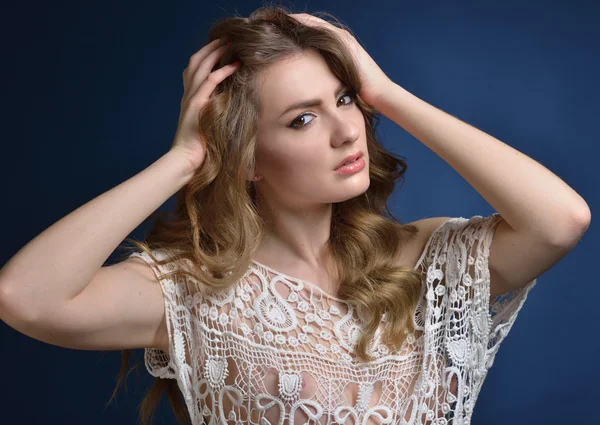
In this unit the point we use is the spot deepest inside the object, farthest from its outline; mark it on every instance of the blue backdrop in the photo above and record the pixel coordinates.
(92, 94)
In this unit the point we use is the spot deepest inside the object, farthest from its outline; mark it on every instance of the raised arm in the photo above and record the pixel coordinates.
(55, 289)
(39, 281)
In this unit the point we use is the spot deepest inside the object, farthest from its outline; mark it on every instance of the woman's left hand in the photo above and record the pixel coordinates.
(373, 80)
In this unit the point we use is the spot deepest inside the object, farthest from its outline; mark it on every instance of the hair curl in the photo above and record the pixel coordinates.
(215, 225)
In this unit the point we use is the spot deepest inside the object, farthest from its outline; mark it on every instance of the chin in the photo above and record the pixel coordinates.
(352, 190)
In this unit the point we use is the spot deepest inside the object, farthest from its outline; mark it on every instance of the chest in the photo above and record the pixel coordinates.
(272, 348)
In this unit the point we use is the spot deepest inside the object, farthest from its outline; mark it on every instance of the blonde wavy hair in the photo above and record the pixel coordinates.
(216, 225)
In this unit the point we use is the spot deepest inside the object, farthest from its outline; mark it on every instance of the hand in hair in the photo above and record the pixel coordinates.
(199, 83)
(374, 81)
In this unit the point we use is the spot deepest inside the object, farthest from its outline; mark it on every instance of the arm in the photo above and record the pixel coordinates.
(543, 216)
(59, 263)
(55, 288)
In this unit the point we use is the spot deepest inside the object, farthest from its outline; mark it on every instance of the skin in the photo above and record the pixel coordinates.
(294, 173)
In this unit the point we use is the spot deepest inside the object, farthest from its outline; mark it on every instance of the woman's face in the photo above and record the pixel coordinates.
(299, 149)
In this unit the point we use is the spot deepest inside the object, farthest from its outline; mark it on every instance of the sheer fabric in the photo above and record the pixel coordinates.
(274, 349)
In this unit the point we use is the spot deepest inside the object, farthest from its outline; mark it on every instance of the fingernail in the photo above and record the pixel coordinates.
(236, 63)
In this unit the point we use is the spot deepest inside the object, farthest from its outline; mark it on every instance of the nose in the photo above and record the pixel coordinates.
(345, 130)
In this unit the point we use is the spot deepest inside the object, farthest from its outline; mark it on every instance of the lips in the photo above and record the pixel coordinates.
(350, 158)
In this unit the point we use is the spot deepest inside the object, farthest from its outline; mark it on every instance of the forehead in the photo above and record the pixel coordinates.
(299, 77)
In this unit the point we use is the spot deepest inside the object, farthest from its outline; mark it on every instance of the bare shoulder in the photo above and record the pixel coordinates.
(411, 250)
(429, 225)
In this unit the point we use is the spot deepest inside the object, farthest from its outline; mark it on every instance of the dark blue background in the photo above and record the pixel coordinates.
(91, 97)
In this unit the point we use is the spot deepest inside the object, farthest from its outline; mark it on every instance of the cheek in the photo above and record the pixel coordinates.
(292, 164)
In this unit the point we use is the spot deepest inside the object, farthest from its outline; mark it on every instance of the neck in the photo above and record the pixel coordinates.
(295, 238)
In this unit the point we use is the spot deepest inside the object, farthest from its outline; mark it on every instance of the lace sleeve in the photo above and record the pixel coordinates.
(459, 290)
(172, 364)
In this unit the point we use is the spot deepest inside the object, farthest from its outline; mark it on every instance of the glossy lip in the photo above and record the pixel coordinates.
(357, 155)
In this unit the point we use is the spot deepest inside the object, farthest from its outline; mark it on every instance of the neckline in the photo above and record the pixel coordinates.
(297, 279)
(318, 288)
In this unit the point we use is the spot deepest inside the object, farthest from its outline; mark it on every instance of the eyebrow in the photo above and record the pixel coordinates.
(312, 102)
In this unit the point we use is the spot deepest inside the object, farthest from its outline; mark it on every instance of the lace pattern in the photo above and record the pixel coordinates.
(274, 349)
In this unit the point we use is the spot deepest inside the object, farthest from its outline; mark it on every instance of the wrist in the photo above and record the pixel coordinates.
(185, 167)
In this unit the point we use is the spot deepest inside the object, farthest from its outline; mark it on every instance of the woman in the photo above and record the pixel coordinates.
(279, 289)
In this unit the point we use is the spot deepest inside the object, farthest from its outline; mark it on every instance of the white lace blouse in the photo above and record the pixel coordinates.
(275, 349)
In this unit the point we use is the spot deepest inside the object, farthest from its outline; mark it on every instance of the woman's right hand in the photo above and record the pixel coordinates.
(198, 85)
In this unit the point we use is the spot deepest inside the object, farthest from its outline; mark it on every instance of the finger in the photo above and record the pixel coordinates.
(196, 59)
(310, 20)
(199, 56)
(199, 98)
(205, 68)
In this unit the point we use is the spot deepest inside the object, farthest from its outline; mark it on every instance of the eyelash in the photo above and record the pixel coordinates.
(291, 125)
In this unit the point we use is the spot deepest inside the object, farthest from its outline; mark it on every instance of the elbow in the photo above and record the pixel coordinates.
(13, 308)
(574, 228)
(584, 217)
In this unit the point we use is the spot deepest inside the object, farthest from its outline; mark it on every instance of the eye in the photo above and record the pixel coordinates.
(349, 94)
